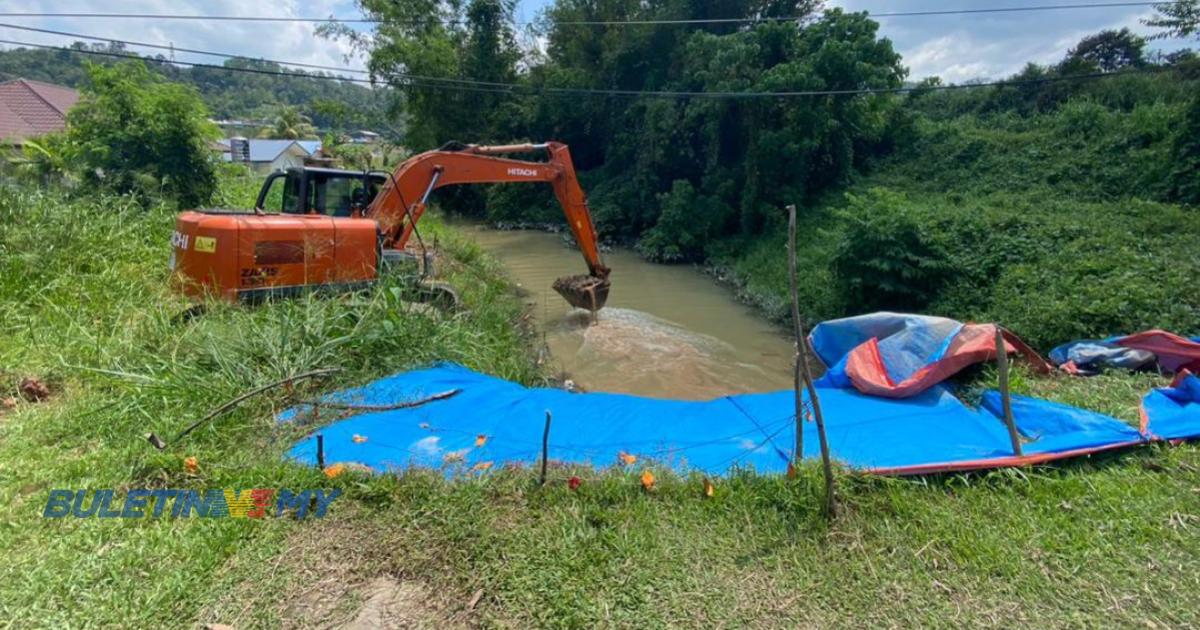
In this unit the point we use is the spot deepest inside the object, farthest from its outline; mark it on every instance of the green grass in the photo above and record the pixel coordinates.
(83, 303)
(86, 308)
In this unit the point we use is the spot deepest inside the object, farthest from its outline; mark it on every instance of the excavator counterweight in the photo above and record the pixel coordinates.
(319, 228)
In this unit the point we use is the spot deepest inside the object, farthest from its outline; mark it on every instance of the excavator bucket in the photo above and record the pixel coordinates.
(583, 291)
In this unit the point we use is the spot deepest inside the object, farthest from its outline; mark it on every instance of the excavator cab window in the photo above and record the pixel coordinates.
(292, 187)
(278, 194)
(318, 191)
(332, 194)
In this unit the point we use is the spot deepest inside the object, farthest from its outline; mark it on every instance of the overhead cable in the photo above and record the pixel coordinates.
(650, 22)
(400, 80)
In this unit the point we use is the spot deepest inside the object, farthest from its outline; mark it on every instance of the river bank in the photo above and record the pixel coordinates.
(84, 306)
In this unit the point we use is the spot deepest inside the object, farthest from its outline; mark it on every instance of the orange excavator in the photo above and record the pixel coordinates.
(322, 228)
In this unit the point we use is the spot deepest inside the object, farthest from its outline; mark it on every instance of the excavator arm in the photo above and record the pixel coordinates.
(402, 201)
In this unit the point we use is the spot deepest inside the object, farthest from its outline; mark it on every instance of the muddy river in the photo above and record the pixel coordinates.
(668, 331)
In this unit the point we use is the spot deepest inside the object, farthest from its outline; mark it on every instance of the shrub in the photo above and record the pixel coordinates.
(133, 132)
(1185, 179)
(687, 222)
(887, 258)
(1097, 287)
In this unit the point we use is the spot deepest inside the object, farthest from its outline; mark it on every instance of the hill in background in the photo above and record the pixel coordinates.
(333, 106)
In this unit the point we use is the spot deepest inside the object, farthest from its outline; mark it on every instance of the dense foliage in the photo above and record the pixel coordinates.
(654, 162)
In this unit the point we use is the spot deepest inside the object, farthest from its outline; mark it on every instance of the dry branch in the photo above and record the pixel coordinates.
(408, 404)
(160, 445)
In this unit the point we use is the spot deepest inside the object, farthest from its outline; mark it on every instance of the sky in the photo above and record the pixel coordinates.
(956, 48)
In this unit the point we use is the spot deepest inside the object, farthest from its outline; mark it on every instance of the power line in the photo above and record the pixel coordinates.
(650, 22)
(470, 85)
(872, 14)
(173, 48)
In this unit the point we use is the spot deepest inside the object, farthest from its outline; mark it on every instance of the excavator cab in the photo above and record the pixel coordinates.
(324, 191)
(307, 230)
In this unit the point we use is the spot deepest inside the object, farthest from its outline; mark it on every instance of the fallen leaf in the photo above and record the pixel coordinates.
(475, 600)
(626, 458)
(334, 470)
(191, 465)
(574, 483)
(708, 488)
(8, 403)
(481, 466)
(647, 480)
(359, 439)
(791, 471)
(217, 626)
(480, 440)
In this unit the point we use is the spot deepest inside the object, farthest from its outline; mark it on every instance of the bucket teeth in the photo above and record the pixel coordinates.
(583, 291)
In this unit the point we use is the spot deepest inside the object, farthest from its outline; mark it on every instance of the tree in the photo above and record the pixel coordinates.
(1179, 19)
(1110, 50)
(134, 132)
(673, 173)
(290, 124)
(444, 42)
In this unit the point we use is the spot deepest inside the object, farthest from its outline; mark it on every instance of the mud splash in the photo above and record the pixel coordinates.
(633, 352)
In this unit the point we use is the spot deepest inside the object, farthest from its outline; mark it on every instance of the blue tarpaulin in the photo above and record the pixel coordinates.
(930, 431)
(897, 355)
(1170, 352)
(1173, 413)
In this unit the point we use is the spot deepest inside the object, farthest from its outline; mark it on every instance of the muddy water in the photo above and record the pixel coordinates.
(668, 331)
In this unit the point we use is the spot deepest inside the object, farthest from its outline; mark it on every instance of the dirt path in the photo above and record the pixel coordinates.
(333, 574)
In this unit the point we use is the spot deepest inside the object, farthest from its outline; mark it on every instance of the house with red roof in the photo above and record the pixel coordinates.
(29, 109)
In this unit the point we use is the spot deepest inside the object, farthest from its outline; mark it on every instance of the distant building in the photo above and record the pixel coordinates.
(29, 109)
(268, 155)
(362, 136)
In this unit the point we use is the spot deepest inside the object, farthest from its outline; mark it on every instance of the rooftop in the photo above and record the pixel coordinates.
(264, 150)
(32, 108)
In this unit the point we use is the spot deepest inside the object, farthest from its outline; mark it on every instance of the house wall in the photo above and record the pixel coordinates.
(293, 157)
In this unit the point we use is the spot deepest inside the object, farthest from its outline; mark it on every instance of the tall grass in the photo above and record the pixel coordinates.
(84, 304)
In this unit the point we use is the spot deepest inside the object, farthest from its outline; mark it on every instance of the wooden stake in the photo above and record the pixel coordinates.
(320, 451)
(798, 455)
(806, 371)
(545, 449)
(1005, 395)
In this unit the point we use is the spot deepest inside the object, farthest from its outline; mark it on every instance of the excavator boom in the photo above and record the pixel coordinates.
(318, 240)
(402, 201)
